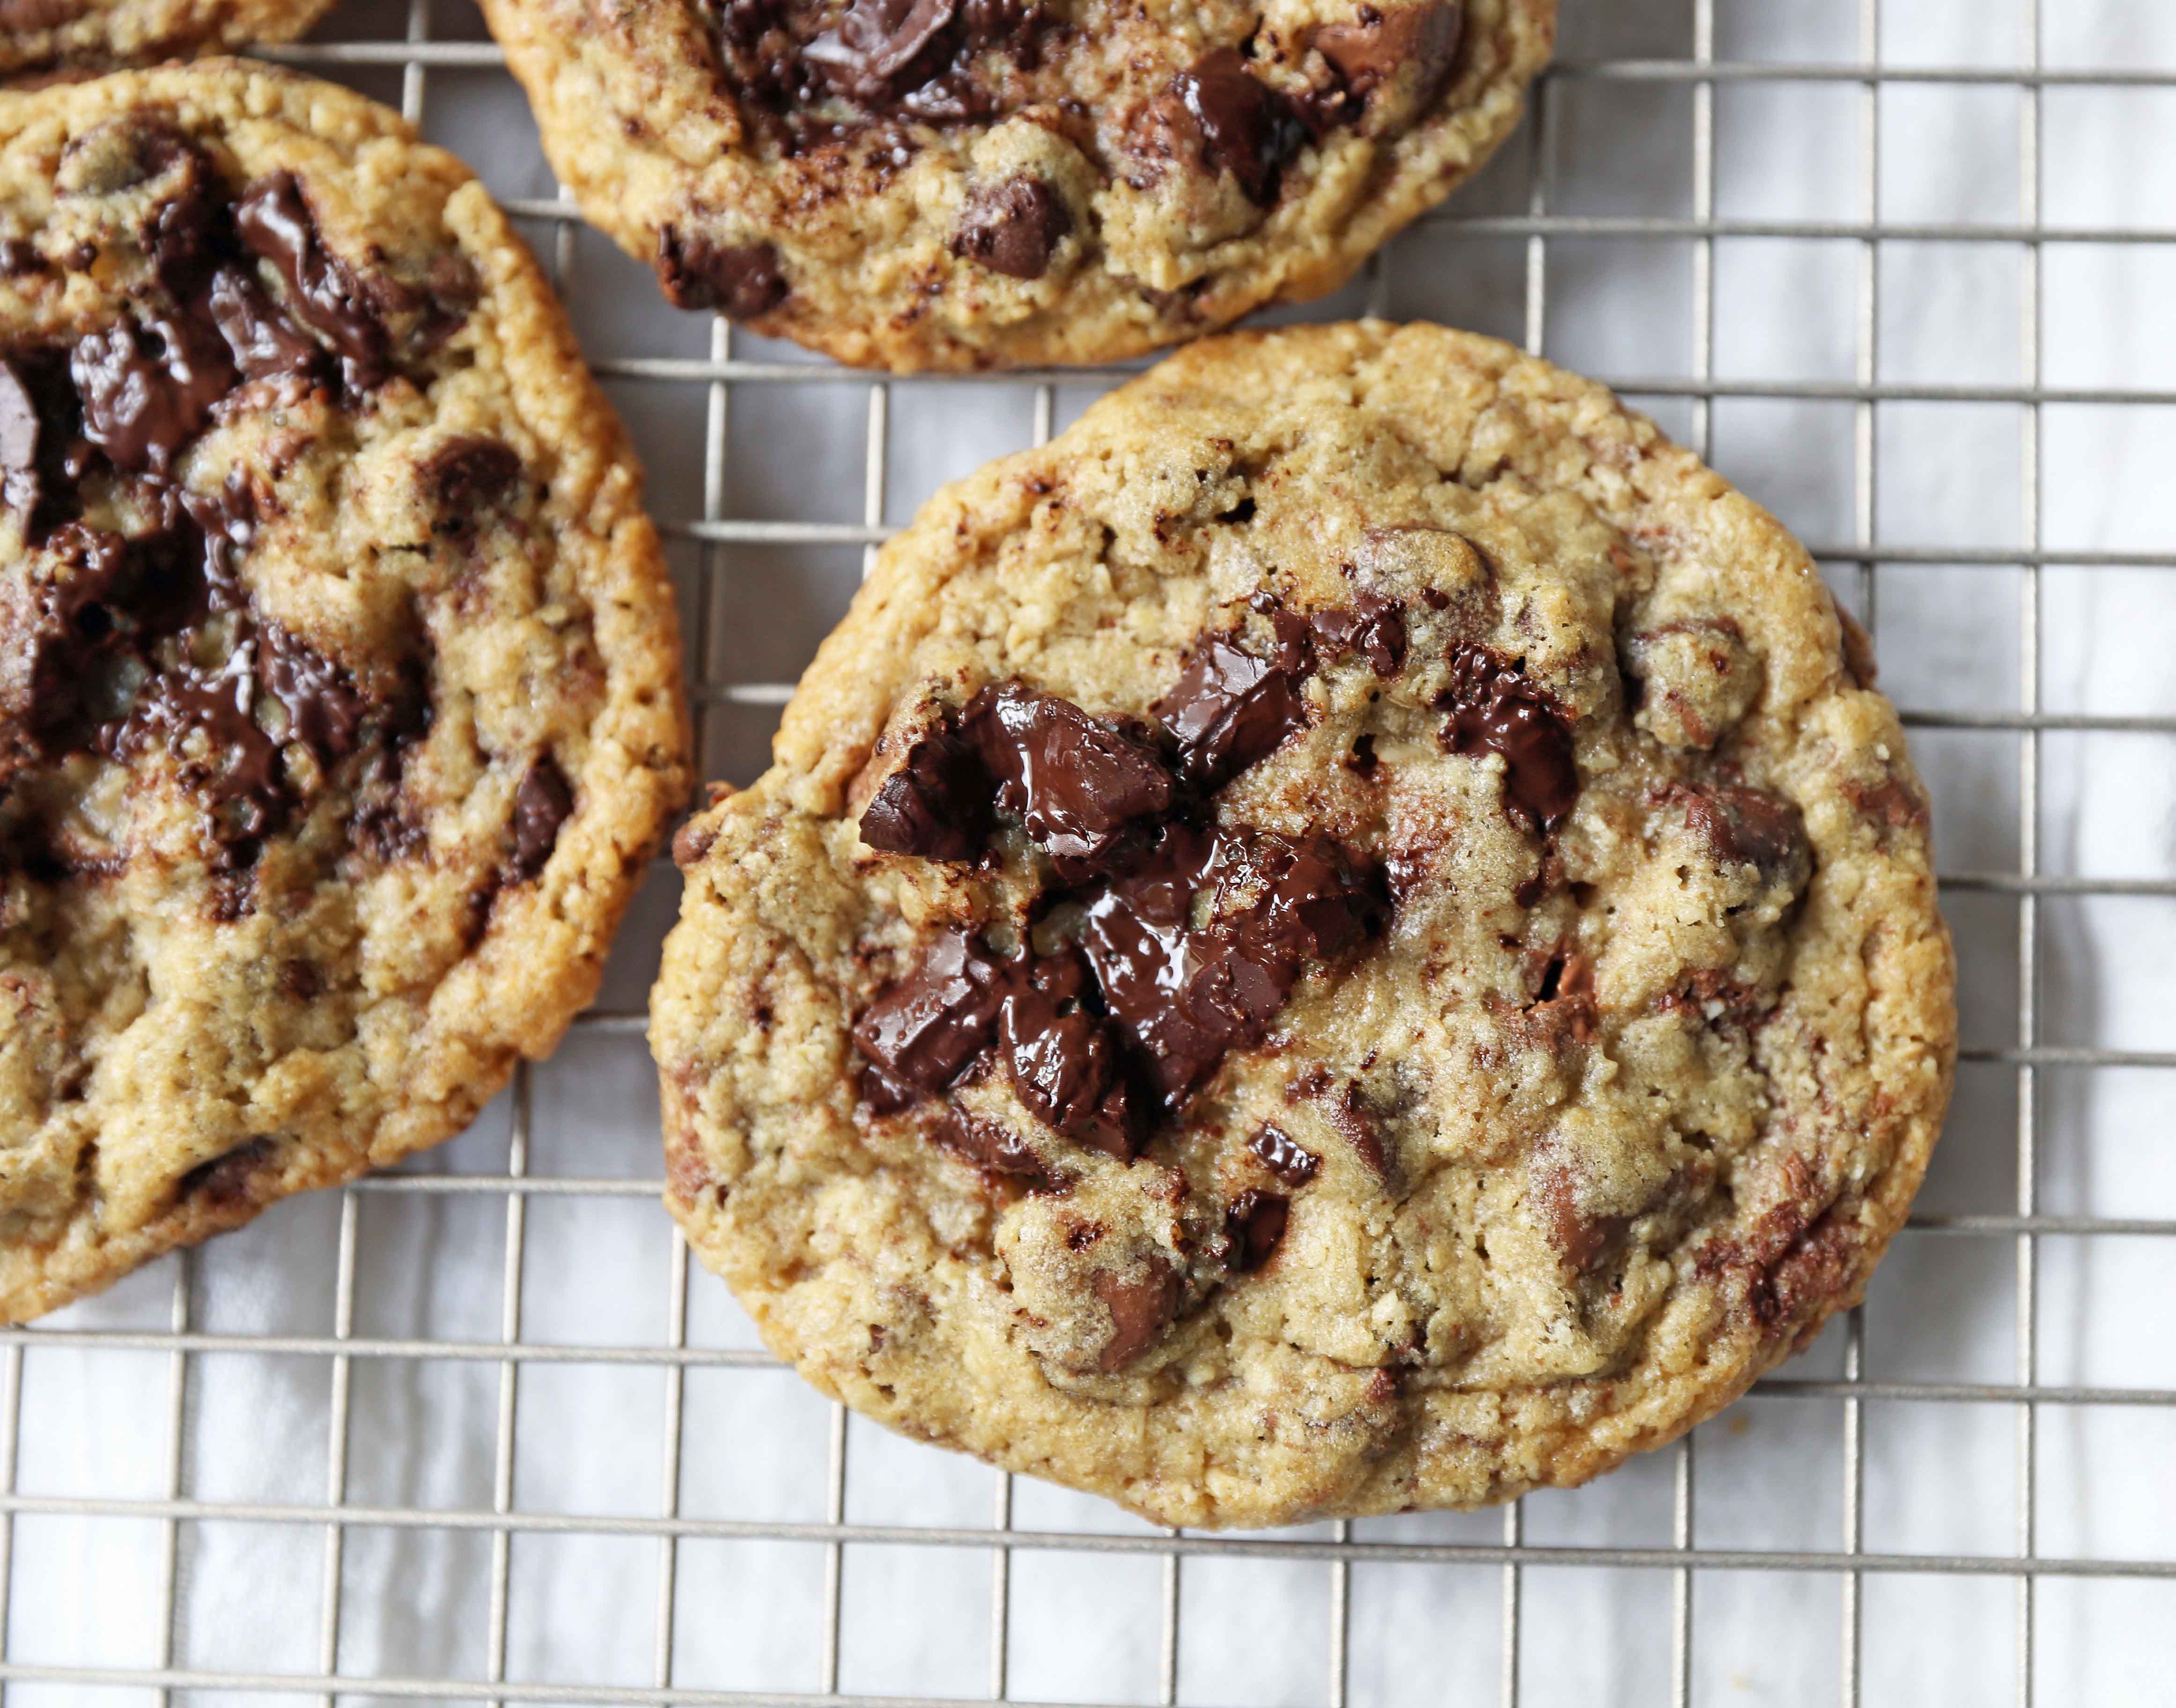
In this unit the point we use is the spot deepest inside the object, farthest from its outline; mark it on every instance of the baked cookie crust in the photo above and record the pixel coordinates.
(1349, 935)
(340, 699)
(990, 184)
(74, 35)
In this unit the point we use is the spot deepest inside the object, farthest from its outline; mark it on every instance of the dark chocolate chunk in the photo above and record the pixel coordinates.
(18, 443)
(936, 805)
(274, 221)
(1230, 707)
(924, 1030)
(1284, 1155)
(1371, 625)
(992, 1147)
(179, 235)
(1184, 995)
(18, 255)
(148, 390)
(743, 280)
(223, 1182)
(465, 479)
(1253, 1224)
(324, 707)
(542, 805)
(1012, 227)
(876, 41)
(1139, 1308)
(265, 342)
(1062, 1060)
(1744, 826)
(1377, 45)
(1076, 784)
(1494, 708)
(1246, 127)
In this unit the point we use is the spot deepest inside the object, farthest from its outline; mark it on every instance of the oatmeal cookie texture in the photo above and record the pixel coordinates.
(979, 184)
(1344, 937)
(339, 708)
(49, 36)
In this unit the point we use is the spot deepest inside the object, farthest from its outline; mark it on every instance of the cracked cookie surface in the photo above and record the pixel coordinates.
(75, 36)
(339, 705)
(980, 183)
(1349, 935)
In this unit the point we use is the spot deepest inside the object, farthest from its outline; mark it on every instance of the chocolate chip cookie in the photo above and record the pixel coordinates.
(982, 184)
(340, 708)
(47, 36)
(1351, 935)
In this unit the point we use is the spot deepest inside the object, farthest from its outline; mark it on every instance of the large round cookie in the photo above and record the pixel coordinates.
(45, 35)
(979, 184)
(340, 708)
(1349, 935)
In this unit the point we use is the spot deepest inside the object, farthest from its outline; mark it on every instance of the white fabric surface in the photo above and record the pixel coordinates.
(1938, 1478)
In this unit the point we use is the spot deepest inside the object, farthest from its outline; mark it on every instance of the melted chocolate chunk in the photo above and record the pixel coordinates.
(744, 280)
(179, 237)
(1139, 1308)
(264, 343)
(1062, 1060)
(922, 1033)
(1582, 1239)
(1231, 708)
(1373, 49)
(1253, 1224)
(1246, 127)
(875, 42)
(148, 390)
(1012, 227)
(274, 220)
(1372, 625)
(542, 804)
(465, 479)
(18, 443)
(936, 805)
(1494, 708)
(1074, 783)
(1185, 995)
(1284, 1155)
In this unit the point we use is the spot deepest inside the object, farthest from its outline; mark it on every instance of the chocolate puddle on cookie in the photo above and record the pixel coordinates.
(137, 631)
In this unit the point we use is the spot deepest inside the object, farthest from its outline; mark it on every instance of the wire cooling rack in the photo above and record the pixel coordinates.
(467, 1431)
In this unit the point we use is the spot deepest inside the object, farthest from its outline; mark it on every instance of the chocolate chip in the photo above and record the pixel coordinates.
(937, 804)
(876, 41)
(1185, 996)
(925, 1029)
(1495, 708)
(1231, 708)
(1253, 1224)
(1581, 1238)
(1372, 625)
(148, 390)
(1284, 1155)
(18, 443)
(1012, 227)
(324, 707)
(542, 804)
(744, 280)
(1140, 1307)
(1062, 1060)
(1246, 127)
(1076, 784)
(223, 1184)
(1357, 1122)
(1372, 50)
(1742, 826)
(465, 478)
(992, 1147)
(265, 342)
(18, 256)
(274, 220)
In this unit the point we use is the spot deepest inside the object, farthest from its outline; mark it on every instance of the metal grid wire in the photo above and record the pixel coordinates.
(416, 56)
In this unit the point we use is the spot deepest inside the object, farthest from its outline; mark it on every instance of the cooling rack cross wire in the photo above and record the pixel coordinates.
(344, 1473)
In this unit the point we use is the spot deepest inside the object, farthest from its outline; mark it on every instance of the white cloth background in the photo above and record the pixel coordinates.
(1939, 1477)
